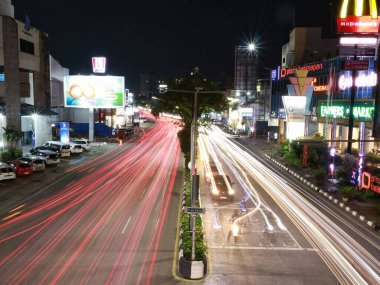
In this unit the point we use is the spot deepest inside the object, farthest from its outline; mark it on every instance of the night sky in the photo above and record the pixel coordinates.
(170, 36)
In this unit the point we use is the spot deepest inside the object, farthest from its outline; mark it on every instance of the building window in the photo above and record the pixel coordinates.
(26, 46)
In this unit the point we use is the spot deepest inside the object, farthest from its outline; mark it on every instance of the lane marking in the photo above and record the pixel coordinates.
(90, 170)
(126, 225)
(262, 248)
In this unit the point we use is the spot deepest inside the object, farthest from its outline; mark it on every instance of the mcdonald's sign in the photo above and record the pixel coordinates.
(353, 20)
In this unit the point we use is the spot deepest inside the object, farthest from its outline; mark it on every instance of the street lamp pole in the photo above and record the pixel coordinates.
(194, 176)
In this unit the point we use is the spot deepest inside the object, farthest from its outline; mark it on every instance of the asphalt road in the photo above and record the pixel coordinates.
(110, 220)
(289, 236)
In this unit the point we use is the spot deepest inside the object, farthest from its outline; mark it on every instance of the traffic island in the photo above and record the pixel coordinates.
(188, 268)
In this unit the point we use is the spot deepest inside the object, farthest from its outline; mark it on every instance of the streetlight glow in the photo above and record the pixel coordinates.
(251, 47)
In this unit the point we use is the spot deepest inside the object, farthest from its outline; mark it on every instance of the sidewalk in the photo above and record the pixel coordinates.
(363, 210)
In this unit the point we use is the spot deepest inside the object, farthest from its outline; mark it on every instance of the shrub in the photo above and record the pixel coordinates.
(292, 158)
(9, 155)
(200, 246)
(341, 175)
(320, 176)
(372, 157)
(351, 192)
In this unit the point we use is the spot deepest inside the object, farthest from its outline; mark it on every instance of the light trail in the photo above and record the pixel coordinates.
(97, 223)
(349, 261)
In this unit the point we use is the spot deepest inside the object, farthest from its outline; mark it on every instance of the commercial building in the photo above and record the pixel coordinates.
(25, 92)
(331, 99)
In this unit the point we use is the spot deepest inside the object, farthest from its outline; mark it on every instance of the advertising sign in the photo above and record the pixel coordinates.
(64, 132)
(94, 91)
(352, 51)
(288, 71)
(370, 182)
(355, 24)
(340, 109)
(356, 65)
(99, 64)
(362, 80)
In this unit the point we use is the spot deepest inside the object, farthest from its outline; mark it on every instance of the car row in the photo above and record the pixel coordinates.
(49, 153)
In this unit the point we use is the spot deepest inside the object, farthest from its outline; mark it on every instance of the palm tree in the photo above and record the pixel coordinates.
(12, 138)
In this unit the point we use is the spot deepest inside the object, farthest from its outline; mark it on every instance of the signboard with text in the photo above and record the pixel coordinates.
(340, 109)
(94, 91)
(356, 65)
(355, 24)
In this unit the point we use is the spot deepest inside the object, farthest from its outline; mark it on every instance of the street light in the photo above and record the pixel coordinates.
(34, 128)
(251, 47)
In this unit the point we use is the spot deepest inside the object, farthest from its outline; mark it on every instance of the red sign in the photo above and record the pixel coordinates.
(370, 182)
(356, 65)
(288, 71)
(355, 24)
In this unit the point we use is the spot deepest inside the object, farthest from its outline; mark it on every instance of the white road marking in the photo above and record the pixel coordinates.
(126, 225)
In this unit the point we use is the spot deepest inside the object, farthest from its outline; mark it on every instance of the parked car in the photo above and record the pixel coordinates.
(37, 162)
(21, 167)
(52, 148)
(50, 157)
(76, 148)
(222, 189)
(82, 142)
(64, 148)
(6, 172)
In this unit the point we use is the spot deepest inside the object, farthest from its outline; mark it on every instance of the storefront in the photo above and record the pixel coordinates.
(331, 96)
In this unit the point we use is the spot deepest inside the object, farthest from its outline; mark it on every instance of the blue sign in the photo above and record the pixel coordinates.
(64, 132)
(2, 77)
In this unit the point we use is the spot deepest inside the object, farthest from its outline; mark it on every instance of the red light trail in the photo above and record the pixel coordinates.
(103, 228)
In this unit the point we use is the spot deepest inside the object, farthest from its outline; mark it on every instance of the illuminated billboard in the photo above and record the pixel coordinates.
(358, 23)
(94, 91)
(340, 109)
(99, 64)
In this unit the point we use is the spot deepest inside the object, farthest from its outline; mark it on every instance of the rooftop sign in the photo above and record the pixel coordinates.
(358, 23)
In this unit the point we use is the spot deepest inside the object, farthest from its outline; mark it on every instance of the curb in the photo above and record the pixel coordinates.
(371, 224)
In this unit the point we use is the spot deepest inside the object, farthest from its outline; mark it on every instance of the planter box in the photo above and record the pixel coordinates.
(192, 269)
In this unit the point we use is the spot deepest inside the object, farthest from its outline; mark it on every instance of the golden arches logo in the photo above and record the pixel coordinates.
(359, 8)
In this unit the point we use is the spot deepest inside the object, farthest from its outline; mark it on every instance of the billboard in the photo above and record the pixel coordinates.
(99, 64)
(94, 91)
(357, 21)
(340, 109)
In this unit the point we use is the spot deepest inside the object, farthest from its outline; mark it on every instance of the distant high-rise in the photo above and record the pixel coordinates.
(246, 69)
(149, 83)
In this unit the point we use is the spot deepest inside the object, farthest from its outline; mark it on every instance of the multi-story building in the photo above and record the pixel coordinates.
(246, 69)
(25, 94)
(333, 87)
(306, 45)
(150, 83)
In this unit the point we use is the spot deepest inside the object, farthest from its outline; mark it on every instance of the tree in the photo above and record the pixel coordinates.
(12, 138)
(179, 100)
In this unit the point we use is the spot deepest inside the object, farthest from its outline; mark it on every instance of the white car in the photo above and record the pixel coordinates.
(84, 143)
(76, 148)
(6, 172)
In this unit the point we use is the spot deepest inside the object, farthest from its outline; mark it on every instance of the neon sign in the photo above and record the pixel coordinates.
(370, 182)
(358, 23)
(363, 80)
(321, 88)
(288, 71)
(363, 110)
